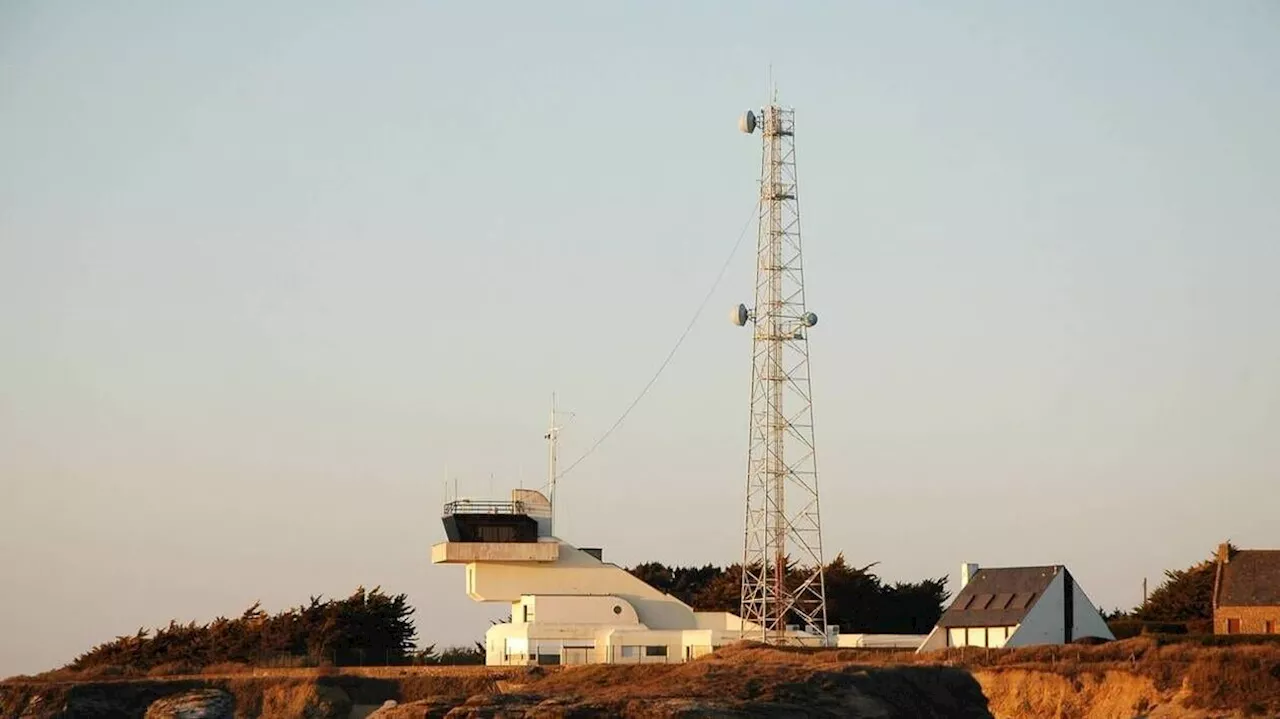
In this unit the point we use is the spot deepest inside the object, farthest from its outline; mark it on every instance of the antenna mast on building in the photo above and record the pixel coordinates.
(552, 436)
(782, 578)
(553, 439)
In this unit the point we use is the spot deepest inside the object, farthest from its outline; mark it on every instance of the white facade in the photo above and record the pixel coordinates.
(880, 641)
(1044, 622)
(569, 607)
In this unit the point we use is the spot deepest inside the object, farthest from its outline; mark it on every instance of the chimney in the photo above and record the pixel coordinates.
(967, 570)
(1224, 552)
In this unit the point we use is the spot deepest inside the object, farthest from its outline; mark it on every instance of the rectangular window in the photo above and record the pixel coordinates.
(1233, 626)
(1269, 626)
(658, 650)
(977, 637)
(996, 636)
(630, 652)
(548, 652)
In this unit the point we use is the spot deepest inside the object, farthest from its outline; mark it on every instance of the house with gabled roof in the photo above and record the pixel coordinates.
(1016, 607)
(1246, 591)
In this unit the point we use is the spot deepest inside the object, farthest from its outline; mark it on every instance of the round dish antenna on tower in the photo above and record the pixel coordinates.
(740, 315)
(809, 319)
(747, 123)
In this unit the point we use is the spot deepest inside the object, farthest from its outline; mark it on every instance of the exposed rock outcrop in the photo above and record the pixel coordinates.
(197, 704)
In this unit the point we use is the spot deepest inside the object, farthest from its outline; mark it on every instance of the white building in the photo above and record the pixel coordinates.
(568, 606)
(1016, 607)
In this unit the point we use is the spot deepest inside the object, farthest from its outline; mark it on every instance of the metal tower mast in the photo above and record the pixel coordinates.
(782, 580)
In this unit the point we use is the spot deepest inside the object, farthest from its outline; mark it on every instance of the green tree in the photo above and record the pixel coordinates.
(368, 626)
(857, 600)
(1185, 595)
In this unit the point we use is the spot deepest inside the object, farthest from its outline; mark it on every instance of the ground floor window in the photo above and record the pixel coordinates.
(1233, 626)
(548, 652)
(656, 650)
(989, 637)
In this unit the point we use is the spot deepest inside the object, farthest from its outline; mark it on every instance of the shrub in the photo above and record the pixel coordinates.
(1200, 626)
(368, 624)
(172, 669)
(105, 671)
(1125, 628)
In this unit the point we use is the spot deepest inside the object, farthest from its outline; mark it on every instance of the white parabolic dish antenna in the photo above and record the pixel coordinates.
(747, 123)
(740, 315)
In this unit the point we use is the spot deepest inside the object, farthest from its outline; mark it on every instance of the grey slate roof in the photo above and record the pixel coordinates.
(1000, 596)
(1251, 578)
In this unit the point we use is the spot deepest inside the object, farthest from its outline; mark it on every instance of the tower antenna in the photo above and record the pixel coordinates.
(782, 577)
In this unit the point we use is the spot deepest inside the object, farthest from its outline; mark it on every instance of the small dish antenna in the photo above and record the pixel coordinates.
(740, 315)
(747, 123)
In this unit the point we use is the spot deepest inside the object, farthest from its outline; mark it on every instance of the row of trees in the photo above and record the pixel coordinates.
(368, 626)
(372, 627)
(857, 600)
(1182, 603)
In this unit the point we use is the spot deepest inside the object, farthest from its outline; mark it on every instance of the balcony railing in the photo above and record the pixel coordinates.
(472, 506)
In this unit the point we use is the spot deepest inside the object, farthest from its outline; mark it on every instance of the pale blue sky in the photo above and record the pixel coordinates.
(267, 269)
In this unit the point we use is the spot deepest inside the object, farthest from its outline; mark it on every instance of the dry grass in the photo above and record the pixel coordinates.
(172, 669)
(757, 675)
(1236, 674)
(226, 669)
(1131, 674)
(304, 699)
(108, 671)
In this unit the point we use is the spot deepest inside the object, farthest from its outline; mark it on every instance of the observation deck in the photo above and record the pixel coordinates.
(493, 531)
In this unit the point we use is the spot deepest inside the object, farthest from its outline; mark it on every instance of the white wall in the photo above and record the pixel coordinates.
(673, 641)
(723, 622)
(577, 609)
(1043, 624)
(937, 639)
(898, 641)
(576, 572)
(537, 506)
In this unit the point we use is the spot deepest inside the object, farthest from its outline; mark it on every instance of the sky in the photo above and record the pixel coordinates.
(274, 275)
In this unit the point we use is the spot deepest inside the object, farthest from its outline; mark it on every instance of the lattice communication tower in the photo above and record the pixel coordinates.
(783, 592)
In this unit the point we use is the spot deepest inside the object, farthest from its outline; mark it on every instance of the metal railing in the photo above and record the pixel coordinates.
(472, 506)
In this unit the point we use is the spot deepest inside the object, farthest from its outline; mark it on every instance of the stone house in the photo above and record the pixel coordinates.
(1246, 591)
